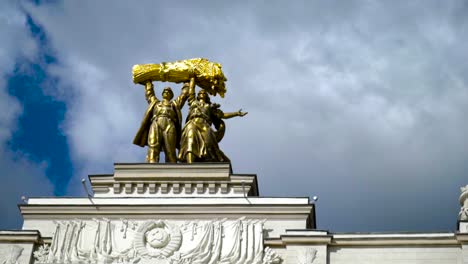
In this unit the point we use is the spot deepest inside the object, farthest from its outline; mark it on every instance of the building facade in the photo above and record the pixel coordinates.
(204, 213)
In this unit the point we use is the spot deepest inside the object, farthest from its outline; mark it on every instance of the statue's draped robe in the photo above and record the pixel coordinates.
(198, 137)
(141, 137)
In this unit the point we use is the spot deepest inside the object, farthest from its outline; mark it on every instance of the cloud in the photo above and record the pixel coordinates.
(359, 103)
(20, 176)
(16, 43)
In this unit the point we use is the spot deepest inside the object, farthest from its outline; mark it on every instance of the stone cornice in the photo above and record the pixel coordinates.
(168, 171)
(309, 240)
(396, 239)
(171, 180)
(402, 241)
(302, 212)
(340, 240)
(20, 236)
(462, 237)
(300, 237)
(168, 201)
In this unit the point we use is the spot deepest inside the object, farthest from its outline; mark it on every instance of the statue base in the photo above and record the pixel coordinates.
(167, 213)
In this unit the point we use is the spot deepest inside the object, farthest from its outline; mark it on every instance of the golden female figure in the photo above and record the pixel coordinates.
(199, 142)
(160, 128)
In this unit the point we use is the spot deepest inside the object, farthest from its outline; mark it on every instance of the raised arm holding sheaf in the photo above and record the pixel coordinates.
(161, 126)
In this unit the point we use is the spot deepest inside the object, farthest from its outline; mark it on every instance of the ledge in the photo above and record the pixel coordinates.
(343, 240)
(20, 236)
(172, 171)
(174, 180)
(258, 211)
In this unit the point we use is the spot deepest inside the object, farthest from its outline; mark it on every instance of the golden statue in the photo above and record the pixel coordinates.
(161, 125)
(208, 75)
(160, 128)
(199, 142)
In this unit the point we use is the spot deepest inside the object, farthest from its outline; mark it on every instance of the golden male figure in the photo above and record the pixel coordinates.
(161, 125)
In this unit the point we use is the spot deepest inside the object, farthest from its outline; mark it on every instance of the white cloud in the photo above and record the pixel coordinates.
(20, 176)
(16, 43)
(357, 103)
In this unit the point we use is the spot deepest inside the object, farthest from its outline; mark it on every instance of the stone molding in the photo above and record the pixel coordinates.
(302, 212)
(176, 180)
(234, 186)
(309, 240)
(168, 171)
(168, 201)
(19, 236)
(462, 237)
(435, 239)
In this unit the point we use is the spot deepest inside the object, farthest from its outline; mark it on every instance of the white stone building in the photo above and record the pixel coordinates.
(203, 213)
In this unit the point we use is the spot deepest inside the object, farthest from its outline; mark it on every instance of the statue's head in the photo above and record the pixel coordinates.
(167, 93)
(203, 96)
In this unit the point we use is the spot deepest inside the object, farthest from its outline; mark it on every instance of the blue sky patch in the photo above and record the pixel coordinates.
(39, 135)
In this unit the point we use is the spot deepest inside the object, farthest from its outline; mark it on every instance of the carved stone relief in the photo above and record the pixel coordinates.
(40, 255)
(306, 255)
(11, 255)
(158, 241)
(463, 215)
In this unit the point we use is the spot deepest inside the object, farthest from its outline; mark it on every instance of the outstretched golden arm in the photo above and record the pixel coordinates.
(234, 114)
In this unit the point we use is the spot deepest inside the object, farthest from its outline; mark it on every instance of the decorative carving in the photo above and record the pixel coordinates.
(124, 226)
(270, 256)
(307, 256)
(158, 241)
(464, 189)
(463, 195)
(463, 215)
(41, 253)
(12, 256)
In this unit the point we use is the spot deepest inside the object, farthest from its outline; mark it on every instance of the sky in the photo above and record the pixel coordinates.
(361, 103)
